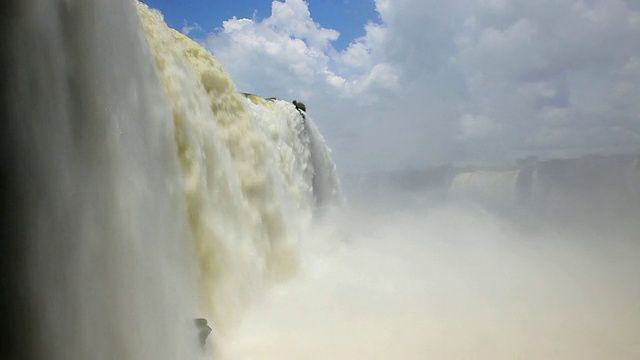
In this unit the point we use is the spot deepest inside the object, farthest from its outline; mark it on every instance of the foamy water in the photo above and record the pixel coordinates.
(141, 190)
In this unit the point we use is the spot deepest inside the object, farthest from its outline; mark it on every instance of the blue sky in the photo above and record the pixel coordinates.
(411, 83)
(348, 17)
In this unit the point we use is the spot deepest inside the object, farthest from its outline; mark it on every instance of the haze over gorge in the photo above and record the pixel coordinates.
(142, 190)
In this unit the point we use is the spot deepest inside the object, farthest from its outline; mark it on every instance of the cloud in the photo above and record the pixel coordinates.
(293, 18)
(284, 55)
(438, 81)
(187, 29)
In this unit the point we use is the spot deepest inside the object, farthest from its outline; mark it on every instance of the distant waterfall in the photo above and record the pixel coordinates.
(491, 187)
(141, 189)
(608, 185)
(592, 184)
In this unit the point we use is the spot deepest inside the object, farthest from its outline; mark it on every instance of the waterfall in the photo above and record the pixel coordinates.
(141, 189)
(597, 186)
(560, 189)
(492, 187)
(309, 151)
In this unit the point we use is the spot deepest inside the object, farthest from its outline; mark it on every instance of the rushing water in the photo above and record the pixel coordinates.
(141, 190)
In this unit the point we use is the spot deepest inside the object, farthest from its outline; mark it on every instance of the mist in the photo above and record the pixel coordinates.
(406, 273)
(141, 190)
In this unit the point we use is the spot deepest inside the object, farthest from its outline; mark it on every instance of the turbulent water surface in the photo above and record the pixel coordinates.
(141, 190)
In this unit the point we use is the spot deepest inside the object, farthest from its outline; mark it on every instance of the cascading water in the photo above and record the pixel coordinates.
(556, 188)
(142, 190)
(310, 152)
(105, 269)
(492, 187)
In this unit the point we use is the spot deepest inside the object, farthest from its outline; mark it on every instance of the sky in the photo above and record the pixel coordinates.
(404, 84)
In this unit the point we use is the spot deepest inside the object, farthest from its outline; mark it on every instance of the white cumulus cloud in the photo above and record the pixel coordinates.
(460, 80)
